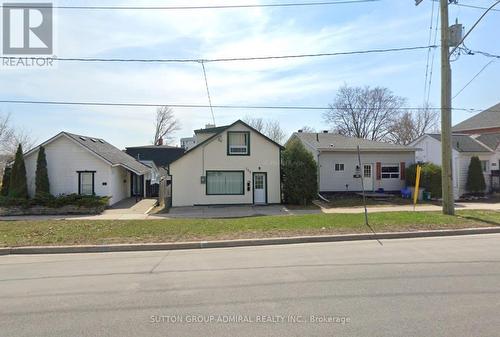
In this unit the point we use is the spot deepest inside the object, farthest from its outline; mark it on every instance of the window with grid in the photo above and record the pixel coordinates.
(485, 164)
(86, 183)
(339, 167)
(390, 171)
(238, 143)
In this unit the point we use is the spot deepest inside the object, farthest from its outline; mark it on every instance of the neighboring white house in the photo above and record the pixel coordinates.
(382, 164)
(464, 148)
(87, 166)
(233, 164)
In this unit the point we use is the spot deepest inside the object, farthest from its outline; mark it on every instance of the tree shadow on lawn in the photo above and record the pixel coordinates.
(479, 220)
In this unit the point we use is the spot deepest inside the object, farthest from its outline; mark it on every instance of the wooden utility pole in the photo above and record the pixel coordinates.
(446, 149)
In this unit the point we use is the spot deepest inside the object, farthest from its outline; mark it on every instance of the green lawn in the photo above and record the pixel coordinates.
(58, 232)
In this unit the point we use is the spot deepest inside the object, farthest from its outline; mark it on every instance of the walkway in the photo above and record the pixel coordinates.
(419, 208)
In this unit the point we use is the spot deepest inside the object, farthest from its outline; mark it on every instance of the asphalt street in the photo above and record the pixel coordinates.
(413, 287)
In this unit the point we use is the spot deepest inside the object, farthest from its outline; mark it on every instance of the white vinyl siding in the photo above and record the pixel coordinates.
(225, 183)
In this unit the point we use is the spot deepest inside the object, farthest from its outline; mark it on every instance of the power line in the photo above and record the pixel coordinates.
(175, 105)
(433, 56)
(208, 91)
(428, 53)
(232, 59)
(299, 4)
(473, 78)
(473, 6)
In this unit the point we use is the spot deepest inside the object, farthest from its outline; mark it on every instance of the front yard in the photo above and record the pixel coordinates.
(72, 232)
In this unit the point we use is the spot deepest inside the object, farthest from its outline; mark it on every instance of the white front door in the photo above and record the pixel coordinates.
(259, 188)
(368, 177)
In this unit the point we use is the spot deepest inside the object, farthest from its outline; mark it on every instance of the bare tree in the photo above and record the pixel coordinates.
(364, 112)
(256, 123)
(270, 128)
(165, 125)
(10, 138)
(413, 124)
(274, 131)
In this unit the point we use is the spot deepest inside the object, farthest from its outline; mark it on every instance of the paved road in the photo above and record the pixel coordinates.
(416, 287)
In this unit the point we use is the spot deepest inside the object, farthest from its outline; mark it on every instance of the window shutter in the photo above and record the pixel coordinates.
(379, 170)
(402, 170)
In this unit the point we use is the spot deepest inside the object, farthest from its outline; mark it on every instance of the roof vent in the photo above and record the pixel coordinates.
(92, 139)
(300, 131)
(325, 131)
(101, 141)
(331, 145)
(83, 138)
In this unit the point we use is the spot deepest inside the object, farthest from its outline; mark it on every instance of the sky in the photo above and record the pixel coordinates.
(244, 32)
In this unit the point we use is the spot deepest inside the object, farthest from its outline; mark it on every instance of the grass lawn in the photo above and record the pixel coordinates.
(69, 232)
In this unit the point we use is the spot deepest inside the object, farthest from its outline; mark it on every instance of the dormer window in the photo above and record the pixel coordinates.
(238, 143)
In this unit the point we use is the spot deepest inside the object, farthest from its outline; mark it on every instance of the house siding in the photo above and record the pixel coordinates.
(187, 189)
(64, 159)
(332, 181)
(429, 150)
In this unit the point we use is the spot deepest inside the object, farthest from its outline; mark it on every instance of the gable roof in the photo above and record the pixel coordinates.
(102, 149)
(161, 155)
(215, 129)
(489, 118)
(492, 140)
(463, 143)
(335, 142)
(221, 129)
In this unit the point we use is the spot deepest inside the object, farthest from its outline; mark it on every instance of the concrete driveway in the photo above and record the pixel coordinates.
(230, 211)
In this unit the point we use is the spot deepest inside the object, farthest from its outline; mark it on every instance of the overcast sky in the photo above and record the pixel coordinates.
(238, 33)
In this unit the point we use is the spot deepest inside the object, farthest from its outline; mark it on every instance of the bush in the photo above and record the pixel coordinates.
(18, 187)
(300, 184)
(42, 176)
(475, 177)
(430, 178)
(85, 201)
(5, 182)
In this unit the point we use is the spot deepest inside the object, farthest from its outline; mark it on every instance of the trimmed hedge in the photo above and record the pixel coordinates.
(86, 201)
(430, 178)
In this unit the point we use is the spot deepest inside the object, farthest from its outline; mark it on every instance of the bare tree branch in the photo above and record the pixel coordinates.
(256, 123)
(165, 125)
(413, 124)
(270, 128)
(364, 112)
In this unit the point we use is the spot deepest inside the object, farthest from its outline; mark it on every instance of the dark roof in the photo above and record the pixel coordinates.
(463, 143)
(109, 152)
(334, 142)
(492, 140)
(211, 130)
(489, 118)
(161, 155)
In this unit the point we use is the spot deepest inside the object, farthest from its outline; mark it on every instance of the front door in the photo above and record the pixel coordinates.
(259, 188)
(368, 177)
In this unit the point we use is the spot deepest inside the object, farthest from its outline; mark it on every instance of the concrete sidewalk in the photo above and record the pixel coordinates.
(418, 208)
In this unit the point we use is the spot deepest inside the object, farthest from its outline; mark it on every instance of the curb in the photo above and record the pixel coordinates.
(242, 242)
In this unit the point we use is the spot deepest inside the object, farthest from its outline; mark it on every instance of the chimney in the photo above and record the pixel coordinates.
(160, 141)
(209, 126)
(317, 137)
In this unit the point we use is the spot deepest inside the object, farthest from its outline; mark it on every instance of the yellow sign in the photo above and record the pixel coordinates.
(417, 183)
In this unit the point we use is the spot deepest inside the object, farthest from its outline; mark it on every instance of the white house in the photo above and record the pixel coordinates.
(233, 164)
(382, 164)
(465, 146)
(87, 166)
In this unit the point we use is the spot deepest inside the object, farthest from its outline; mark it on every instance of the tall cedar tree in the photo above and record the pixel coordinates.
(5, 181)
(300, 184)
(42, 176)
(18, 187)
(475, 178)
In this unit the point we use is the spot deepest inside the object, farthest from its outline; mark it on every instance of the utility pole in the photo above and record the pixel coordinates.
(446, 149)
